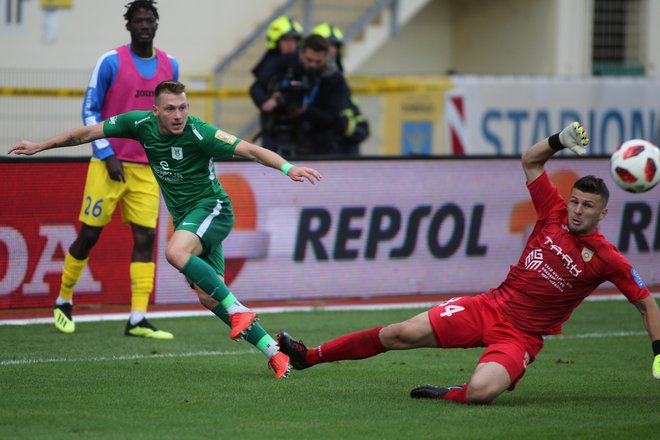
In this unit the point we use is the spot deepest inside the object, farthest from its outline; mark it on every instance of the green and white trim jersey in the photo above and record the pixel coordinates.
(182, 164)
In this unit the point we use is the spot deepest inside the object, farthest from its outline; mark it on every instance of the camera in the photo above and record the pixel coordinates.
(292, 93)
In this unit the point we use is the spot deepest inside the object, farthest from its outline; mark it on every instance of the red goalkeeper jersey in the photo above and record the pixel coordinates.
(558, 269)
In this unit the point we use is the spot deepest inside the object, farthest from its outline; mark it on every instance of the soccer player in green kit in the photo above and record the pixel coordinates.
(181, 149)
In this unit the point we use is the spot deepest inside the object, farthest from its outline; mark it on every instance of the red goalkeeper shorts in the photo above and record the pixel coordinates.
(472, 321)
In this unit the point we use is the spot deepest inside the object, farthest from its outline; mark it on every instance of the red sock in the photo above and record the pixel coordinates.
(458, 396)
(358, 345)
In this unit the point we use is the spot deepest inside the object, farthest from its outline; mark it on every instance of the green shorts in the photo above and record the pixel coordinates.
(211, 221)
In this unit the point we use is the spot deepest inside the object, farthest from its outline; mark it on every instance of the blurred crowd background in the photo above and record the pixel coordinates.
(401, 59)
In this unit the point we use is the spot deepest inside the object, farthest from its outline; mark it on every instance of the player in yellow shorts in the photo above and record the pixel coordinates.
(119, 172)
(139, 198)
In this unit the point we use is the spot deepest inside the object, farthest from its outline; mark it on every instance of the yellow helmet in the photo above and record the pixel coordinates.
(282, 27)
(331, 33)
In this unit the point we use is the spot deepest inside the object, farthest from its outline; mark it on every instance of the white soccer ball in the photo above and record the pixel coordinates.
(635, 165)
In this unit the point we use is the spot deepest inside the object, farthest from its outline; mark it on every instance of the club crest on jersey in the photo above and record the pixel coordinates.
(587, 254)
(177, 153)
(225, 137)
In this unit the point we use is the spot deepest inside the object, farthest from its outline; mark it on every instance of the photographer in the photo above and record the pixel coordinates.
(300, 107)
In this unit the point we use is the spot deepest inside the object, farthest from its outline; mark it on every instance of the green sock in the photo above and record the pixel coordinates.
(221, 313)
(256, 336)
(200, 273)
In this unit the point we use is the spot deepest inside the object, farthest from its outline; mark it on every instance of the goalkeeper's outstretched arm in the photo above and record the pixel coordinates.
(651, 317)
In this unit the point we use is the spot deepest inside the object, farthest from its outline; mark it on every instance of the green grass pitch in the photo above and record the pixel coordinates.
(594, 382)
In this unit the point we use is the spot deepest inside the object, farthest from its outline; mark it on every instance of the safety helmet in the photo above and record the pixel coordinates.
(332, 33)
(282, 27)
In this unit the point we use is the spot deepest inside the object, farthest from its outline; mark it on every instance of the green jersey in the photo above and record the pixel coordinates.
(183, 164)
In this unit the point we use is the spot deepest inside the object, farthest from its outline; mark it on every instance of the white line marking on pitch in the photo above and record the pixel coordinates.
(127, 357)
(284, 309)
(191, 313)
(596, 335)
(234, 353)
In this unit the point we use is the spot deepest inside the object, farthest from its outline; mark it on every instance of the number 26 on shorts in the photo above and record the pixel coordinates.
(450, 308)
(96, 209)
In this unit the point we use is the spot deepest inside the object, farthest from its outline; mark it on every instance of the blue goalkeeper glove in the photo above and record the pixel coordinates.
(656, 367)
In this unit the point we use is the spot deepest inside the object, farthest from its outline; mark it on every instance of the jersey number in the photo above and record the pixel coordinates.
(96, 209)
(450, 309)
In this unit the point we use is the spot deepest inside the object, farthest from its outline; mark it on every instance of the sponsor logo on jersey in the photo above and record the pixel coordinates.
(144, 93)
(177, 153)
(534, 259)
(225, 137)
(566, 259)
(587, 255)
(637, 278)
(166, 175)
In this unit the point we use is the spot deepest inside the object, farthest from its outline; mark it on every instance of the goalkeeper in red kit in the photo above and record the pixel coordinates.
(564, 260)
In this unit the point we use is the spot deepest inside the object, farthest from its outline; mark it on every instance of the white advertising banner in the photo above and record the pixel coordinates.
(504, 115)
(396, 227)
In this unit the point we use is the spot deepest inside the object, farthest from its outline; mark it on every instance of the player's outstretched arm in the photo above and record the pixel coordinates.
(69, 138)
(651, 317)
(573, 136)
(271, 159)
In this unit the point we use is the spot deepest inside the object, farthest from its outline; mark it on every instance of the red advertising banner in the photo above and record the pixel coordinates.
(370, 228)
(397, 227)
(39, 207)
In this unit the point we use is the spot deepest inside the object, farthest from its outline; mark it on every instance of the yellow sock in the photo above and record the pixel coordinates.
(142, 283)
(70, 275)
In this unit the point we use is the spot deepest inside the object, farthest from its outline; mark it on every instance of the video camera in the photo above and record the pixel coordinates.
(292, 93)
